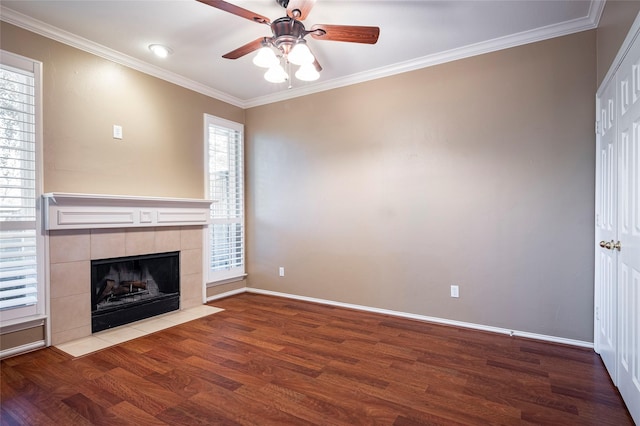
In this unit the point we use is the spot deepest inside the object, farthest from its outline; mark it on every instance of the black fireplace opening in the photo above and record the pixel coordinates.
(128, 289)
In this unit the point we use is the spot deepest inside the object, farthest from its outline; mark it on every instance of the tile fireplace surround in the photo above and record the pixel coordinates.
(72, 250)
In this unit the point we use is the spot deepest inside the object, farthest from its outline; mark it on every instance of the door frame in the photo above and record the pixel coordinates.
(634, 32)
(621, 379)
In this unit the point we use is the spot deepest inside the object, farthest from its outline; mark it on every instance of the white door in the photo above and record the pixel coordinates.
(628, 238)
(606, 295)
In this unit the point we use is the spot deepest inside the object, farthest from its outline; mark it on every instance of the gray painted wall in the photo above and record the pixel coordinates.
(478, 172)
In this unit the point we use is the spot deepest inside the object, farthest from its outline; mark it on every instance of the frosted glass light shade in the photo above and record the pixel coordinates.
(300, 54)
(265, 58)
(276, 74)
(307, 72)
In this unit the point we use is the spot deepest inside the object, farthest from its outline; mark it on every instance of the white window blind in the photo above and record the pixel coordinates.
(225, 183)
(20, 239)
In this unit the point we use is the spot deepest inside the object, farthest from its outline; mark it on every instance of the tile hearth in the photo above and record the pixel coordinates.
(107, 338)
(71, 253)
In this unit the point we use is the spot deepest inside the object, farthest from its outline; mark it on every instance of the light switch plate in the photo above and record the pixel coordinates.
(455, 291)
(117, 131)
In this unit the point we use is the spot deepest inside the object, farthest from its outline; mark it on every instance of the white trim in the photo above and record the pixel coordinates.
(22, 349)
(576, 25)
(223, 275)
(588, 22)
(595, 12)
(226, 294)
(47, 285)
(425, 318)
(222, 122)
(70, 39)
(41, 212)
(227, 280)
(633, 33)
(40, 309)
(23, 323)
(203, 262)
(91, 211)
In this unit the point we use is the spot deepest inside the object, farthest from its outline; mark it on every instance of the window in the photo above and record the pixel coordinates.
(21, 238)
(225, 185)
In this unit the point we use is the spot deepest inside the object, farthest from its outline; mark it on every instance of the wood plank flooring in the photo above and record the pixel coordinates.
(267, 360)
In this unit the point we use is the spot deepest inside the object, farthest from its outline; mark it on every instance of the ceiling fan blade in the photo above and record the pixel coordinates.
(302, 6)
(349, 33)
(237, 10)
(246, 49)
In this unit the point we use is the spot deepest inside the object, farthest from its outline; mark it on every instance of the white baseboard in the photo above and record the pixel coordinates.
(488, 328)
(22, 349)
(226, 294)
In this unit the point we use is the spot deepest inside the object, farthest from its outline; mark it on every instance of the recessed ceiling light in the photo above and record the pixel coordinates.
(160, 50)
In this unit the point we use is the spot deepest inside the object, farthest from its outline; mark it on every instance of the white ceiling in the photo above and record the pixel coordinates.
(413, 34)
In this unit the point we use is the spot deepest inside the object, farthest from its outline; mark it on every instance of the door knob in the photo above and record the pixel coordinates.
(606, 244)
(611, 245)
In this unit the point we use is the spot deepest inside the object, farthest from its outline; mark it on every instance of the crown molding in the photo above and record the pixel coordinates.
(595, 11)
(588, 22)
(632, 35)
(35, 26)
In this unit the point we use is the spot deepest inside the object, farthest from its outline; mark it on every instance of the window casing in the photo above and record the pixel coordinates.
(224, 166)
(21, 237)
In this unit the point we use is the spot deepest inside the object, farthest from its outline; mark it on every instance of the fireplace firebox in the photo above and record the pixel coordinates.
(129, 289)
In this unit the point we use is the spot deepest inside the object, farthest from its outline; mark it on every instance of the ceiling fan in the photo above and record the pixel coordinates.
(288, 38)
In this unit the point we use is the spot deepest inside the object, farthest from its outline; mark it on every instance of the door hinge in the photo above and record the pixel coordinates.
(597, 127)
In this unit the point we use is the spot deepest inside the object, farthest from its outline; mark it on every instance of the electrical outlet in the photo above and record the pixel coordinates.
(281, 271)
(117, 131)
(455, 291)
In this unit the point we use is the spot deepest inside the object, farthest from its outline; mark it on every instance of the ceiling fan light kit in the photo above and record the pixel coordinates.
(266, 58)
(307, 72)
(276, 74)
(300, 54)
(288, 39)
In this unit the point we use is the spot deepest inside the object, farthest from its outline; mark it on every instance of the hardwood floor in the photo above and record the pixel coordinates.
(266, 360)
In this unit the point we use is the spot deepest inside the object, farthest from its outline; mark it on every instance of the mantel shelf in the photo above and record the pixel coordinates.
(91, 211)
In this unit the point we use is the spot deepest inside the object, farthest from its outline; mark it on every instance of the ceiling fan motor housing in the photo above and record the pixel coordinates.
(287, 32)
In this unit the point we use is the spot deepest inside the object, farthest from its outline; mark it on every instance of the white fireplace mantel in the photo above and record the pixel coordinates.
(90, 211)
